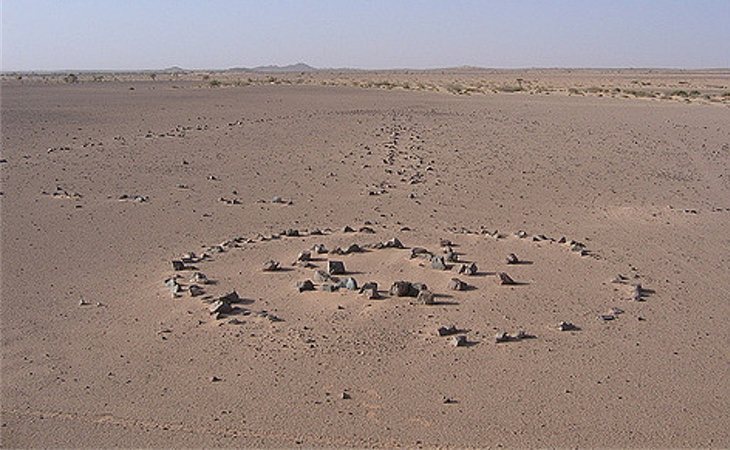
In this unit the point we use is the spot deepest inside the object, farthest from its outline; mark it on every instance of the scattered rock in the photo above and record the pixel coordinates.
(505, 279)
(447, 331)
(220, 307)
(393, 243)
(566, 326)
(401, 289)
(215, 379)
(367, 230)
(438, 263)
(418, 252)
(345, 396)
(458, 341)
(451, 256)
(304, 256)
(521, 234)
(329, 287)
(291, 233)
(348, 283)
(305, 285)
(199, 277)
(348, 229)
(445, 243)
(425, 297)
(468, 269)
(637, 294)
(322, 276)
(512, 259)
(502, 336)
(456, 284)
(178, 265)
(271, 266)
(353, 248)
(370, 290)
(335, 267)
(195, 290)
(319, 249)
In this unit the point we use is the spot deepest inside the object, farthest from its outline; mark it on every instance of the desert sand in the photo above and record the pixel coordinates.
(106, 182)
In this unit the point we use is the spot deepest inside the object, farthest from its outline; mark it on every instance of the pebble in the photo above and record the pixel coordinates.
(512, 259)
(319, 249)
(271, 266)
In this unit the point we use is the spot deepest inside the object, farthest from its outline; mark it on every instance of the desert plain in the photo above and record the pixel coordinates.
(598, 181)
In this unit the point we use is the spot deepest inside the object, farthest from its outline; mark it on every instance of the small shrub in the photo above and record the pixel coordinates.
(215, 83)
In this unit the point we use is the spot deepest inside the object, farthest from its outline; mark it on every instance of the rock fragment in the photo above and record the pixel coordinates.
(177, 264)
(512, 259)
(319, 249)
(348, 229)
(271, 266)
(458, 341)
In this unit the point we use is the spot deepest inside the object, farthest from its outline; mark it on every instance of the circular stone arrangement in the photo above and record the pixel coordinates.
(524, 281)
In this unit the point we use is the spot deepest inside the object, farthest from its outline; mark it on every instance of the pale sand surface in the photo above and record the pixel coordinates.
(644, 184)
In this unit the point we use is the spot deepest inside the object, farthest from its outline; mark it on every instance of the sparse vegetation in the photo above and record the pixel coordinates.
(215, 83)
(71, 78)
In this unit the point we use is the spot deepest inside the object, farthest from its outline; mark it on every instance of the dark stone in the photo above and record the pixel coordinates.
(178, 265)
(305, 285)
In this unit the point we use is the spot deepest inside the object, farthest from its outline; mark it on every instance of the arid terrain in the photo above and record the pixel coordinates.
(598, 182)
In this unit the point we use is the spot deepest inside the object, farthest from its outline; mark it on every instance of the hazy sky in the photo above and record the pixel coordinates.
(153, 34)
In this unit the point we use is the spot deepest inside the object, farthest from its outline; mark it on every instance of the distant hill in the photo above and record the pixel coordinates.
(174, 69)
(298, 67)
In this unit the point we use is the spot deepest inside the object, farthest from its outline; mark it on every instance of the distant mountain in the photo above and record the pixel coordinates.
(174, 69)
(298, 67)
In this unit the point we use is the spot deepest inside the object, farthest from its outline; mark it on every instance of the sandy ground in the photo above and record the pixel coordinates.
(643, 184)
